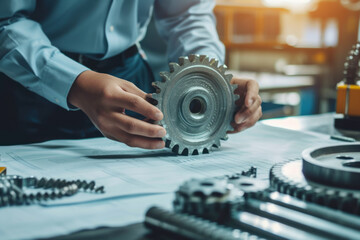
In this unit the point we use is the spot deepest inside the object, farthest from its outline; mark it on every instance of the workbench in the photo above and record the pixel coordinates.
(136, 179)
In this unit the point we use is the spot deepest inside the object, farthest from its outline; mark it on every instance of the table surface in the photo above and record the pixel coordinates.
(319, 124)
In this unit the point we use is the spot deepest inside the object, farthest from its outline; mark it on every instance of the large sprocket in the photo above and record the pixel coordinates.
(287, 178)
(198, 103)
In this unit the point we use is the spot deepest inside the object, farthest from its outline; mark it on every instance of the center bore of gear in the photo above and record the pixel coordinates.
(198, 103)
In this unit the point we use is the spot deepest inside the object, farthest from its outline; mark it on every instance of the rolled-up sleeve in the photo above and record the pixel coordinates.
(28, 57)
(188, 26)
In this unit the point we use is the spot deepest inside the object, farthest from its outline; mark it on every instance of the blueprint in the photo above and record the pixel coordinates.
(134, 179)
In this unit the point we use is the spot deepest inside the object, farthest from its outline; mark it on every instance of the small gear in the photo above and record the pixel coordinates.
(216, 198)
(287, 178)
(198, 103)
(211, 198)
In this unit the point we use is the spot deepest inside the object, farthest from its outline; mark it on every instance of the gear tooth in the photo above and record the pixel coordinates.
(225, 137)
(175, 149)
(214, 62)
(206, 60)
(183, 61)
(234, 87)
(155, 96)
(185, 152)
(222, 69)
(157, 86)
(205, 151)
(194, 57)
(195, 152)
(230, 128)
(165, 76)
(180, 149)
(228, 77)
(174, 67)
(167, 143)
(202, 58)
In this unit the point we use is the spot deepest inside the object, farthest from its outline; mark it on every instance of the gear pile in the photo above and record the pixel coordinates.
(301, 201)
(198, 103)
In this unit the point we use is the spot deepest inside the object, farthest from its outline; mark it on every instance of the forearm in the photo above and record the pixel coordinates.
(27, 56)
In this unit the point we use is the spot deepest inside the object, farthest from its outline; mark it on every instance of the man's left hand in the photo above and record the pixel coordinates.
(248, 105)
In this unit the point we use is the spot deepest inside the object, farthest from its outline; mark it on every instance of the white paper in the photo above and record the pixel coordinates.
(134, 179)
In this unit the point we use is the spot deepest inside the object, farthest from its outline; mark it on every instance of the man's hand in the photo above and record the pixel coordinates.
(104, 99)
(249, 104)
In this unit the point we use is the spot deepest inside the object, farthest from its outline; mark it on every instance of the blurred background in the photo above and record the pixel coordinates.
(295, 49)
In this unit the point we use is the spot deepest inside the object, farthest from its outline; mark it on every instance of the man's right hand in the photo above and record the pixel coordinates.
(104, 99)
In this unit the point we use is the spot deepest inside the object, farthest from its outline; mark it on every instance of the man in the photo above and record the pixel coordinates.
(57, 56)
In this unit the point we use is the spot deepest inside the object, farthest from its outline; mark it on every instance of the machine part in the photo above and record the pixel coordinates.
(348, 93)
(260, 211)
(13, 189)
(207, 197)
(216, 198)
(337, 166)
(192, 227)
(287, 178)
(348, 97)
(251, 172)
(198, 103)
(2, 171)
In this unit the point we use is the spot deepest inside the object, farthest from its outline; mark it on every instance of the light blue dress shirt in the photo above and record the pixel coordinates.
(32, 34)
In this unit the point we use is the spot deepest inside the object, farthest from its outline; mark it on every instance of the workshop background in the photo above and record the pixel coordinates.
(295, 49)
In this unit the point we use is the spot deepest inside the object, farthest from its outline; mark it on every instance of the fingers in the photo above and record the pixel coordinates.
(137, 141)
(139, 127)
(131, 88)
(140, 105)
(131, 131)
(249, 122)
(246, 112)
(247, 87)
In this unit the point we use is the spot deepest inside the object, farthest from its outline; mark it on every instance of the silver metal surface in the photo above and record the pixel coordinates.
(288, 178)
(198, 103)
(192, 227)
(337, 166)
(248, 206)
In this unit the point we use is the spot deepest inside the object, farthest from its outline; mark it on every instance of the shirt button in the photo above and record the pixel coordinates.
(111, 28)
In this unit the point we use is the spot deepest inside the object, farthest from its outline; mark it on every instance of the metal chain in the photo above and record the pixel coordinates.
(12, 189)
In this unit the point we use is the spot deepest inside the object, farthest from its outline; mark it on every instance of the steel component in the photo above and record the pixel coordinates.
(337, 166)
(191, 227)
(249, 205)
(13, 189)
(198, 103)
(287, 178)
(207, 197)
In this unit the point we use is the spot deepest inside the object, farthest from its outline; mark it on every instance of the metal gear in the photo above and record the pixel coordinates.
(216, 198)
(198, 103)
(287, 178)
(210, 198)
(250, 206)
(338, 166)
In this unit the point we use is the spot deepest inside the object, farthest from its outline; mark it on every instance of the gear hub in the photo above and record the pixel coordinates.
(198, 103)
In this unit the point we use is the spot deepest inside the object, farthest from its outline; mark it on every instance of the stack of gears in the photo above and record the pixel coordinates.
(301, 201)
(198, 103)
(13, 189)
